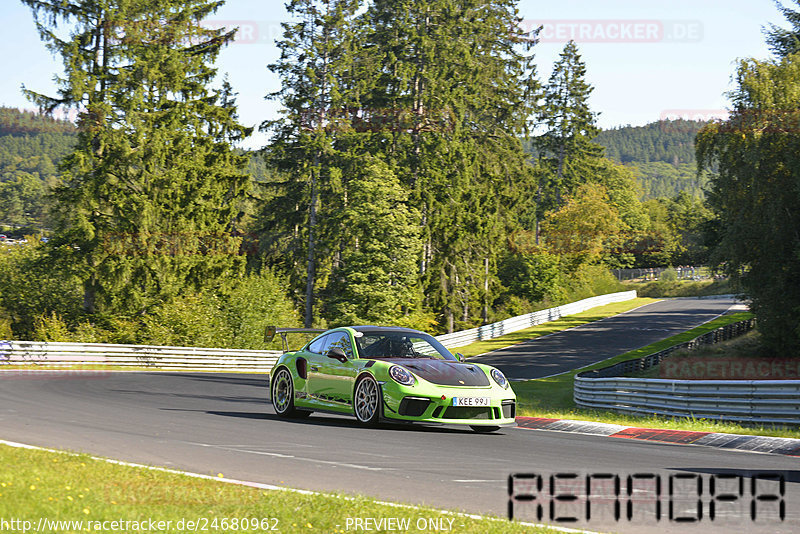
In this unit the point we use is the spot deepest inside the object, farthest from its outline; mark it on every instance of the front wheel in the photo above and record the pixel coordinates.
(367, 401)
(283, 395)
(481, 429)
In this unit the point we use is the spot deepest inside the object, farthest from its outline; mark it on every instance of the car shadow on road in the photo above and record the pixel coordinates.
(333, 421)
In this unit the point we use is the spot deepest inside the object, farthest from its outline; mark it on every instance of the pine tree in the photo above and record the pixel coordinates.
(452, 92)
(151, 192)
(376, 280)
(316, 58)
(781, 41)
(569, 125)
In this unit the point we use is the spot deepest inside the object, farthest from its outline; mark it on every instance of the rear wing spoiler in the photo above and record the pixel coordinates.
(271, 331)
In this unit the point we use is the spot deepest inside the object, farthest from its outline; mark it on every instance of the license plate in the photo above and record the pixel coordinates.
(470, 401)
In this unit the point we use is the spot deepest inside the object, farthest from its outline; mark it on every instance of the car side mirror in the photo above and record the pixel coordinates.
(460, 357)
(337, 354)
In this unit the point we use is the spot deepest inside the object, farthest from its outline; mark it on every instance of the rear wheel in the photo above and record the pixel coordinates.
(480, 429)
(283, 395)
(367, 401)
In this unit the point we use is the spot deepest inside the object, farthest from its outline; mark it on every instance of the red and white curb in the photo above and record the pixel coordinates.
(762, 444)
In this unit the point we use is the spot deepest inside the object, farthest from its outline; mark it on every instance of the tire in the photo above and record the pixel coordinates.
(480, 429)
(367, 401)
(283, 395)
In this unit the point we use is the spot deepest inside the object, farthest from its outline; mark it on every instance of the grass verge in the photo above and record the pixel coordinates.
(682, 288)
(746, 348)
(552, 397)
(594, 314)
(36, 484)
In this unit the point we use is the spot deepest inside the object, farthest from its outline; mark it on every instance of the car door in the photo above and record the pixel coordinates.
(333, 381)
(313, 354)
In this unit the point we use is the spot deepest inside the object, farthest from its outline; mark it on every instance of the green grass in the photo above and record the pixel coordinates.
(747, 346)
(72, 487)
(552, 397)
(594, 314)
(679, 288)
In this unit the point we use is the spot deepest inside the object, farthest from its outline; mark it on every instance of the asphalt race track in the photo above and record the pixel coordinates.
(222, 423)
(600, 340)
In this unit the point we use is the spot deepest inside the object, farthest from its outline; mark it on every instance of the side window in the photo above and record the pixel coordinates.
(317, 345)
(341, 340)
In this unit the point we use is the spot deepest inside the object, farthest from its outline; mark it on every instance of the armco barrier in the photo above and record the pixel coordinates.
(147, 356)
(521, 322)
(752, 401)
(210, 359)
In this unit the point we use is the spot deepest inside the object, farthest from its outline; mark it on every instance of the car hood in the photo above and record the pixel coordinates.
(443, 372)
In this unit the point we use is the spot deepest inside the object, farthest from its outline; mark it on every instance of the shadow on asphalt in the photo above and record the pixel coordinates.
(239, 379)
(332, 421)
(246, 400)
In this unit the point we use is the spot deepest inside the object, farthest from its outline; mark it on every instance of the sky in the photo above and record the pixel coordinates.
(646, 59)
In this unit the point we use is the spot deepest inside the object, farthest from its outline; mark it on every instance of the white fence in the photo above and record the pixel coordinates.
(211, 359)
(141, 356)
(521, 322)
(755, 401)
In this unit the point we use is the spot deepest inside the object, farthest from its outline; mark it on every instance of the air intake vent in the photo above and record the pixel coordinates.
(466, 412)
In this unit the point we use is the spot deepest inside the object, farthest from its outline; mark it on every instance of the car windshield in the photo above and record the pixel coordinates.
(400, 345)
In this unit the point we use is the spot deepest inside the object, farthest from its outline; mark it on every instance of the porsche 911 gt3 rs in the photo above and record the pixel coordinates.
(388, 373)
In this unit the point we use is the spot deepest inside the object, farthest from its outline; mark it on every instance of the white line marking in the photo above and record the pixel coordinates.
(259, 485)
(293, 457)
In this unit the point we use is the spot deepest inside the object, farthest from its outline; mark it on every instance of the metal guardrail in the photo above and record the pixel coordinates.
(521, 322)
(149, 356)
(211, 359)
(752, 401)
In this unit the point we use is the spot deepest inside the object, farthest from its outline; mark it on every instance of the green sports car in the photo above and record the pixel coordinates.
(388, 373)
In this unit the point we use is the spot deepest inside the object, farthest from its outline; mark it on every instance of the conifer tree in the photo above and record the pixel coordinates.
(569, 124)
(316, 59)
(376, 280)
(782, 41)
(452, 91)
(150, 195)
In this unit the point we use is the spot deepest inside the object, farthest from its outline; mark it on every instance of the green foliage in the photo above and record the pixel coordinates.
(31, 286)
(536, 277)
(586, 227)
(30, 147)
(446, 129)
(395, 188)
(683, 288)
(5, 328)
(566, 147)
(661, 154)
(187, 320)
(50, 327)
(664, 180)
(590, 280)
(756, 194)
(666, 141)
(785, 42)
(253, 302)
(376, 279)
(668, 275)
(152, 190)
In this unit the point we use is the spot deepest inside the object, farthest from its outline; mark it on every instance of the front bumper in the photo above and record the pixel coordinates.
(400, 403)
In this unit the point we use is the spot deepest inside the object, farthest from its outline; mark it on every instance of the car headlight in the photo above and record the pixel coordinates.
(401, 375)
(500, 379)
